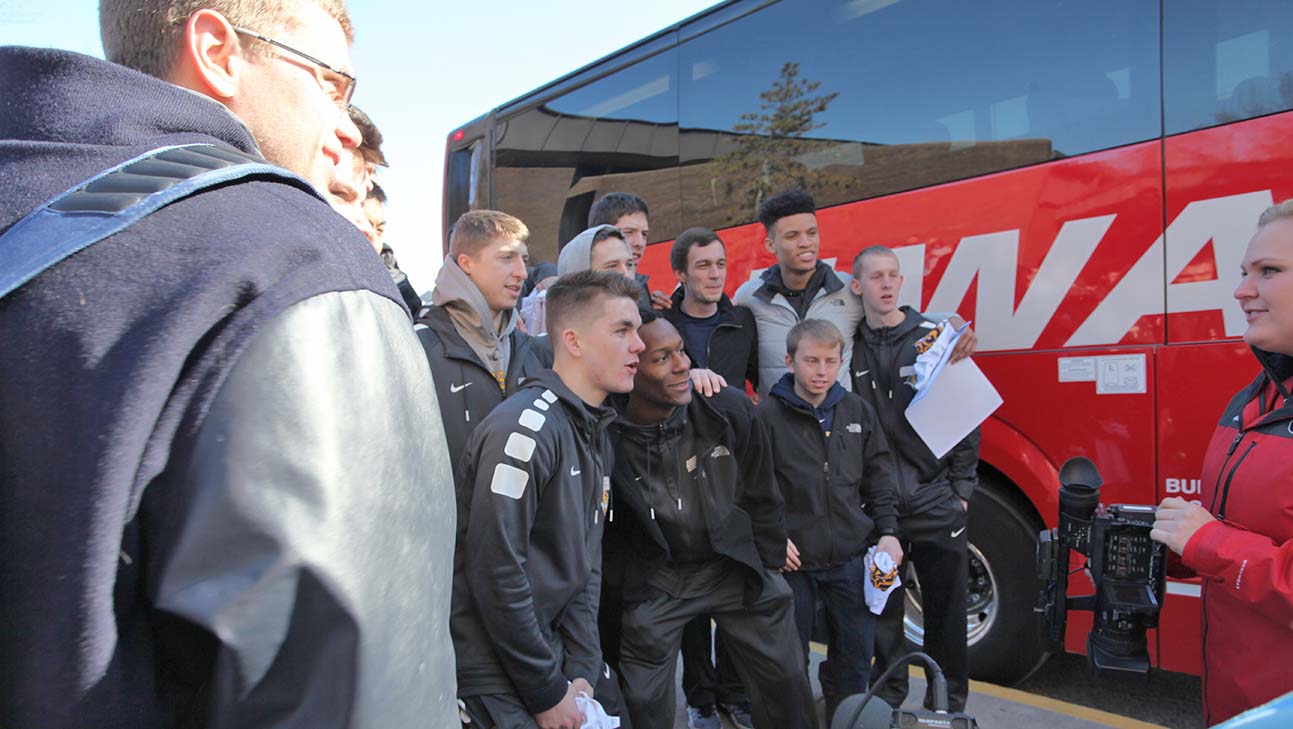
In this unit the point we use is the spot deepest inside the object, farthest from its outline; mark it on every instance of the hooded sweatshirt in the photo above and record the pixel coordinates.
(577, 254)
(485, 332)
(834, 469)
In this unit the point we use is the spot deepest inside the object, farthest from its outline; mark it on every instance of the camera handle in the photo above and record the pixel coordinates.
(936, 679)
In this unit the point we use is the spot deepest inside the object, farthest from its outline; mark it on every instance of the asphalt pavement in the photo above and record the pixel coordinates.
(1060, 695)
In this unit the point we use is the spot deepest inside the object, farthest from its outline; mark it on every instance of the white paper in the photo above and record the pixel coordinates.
(957, 399)
(1077, 369)
(1120, 375)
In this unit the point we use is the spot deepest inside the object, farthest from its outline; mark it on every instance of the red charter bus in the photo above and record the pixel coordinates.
(1078, 178)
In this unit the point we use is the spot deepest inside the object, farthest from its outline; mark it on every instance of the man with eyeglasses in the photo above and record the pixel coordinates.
(221, 500)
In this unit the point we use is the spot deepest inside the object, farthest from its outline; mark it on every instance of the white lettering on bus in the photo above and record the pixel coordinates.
(1002, 325)
(1183, 486)
(1226, 222)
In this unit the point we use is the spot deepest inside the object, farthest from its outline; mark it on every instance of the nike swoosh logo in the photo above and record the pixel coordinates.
(859, 374)
(606, 671)
(460, 388)
(957, 533)
(575, 471)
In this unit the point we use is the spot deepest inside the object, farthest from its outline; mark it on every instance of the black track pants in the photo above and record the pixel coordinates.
(938, 552)
(761, 638)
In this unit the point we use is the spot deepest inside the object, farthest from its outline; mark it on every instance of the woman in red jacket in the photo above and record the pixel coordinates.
(1240, 541)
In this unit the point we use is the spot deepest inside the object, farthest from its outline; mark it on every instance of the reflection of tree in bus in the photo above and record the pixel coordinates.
(771, 142)
(1258, 96)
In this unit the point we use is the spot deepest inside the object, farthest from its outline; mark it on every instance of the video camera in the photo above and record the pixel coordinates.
(1127, 567)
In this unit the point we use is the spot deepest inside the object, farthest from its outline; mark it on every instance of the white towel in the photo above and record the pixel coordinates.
(882, 579)
(594, 715)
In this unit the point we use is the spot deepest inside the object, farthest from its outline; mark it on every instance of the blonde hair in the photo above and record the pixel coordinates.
(478, 228)
(1279, 211)
(146, 35)
(818, 330)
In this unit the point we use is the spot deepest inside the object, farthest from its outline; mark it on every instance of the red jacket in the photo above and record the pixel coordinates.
(1245, 558)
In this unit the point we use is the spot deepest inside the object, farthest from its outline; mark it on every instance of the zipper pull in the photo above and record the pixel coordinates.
(679, 503)
(611, 517)
(652, 513)
(594, 516)
(826, 467)
(1235, 443)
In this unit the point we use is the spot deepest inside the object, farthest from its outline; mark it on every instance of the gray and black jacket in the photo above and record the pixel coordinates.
(882, 373)
(828, 297)
(837, 479)
(716, 443)
(527, 571)
(733, 344)
(215, 470)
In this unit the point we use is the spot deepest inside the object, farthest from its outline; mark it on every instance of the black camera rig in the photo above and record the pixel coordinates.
(1127, 568)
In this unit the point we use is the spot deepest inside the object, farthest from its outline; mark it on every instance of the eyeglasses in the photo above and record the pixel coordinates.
(340, 90)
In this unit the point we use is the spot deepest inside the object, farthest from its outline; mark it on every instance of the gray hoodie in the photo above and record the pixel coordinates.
(486, 334)
(577, 254)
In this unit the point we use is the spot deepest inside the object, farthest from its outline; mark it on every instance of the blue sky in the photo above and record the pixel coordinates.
(423, 68)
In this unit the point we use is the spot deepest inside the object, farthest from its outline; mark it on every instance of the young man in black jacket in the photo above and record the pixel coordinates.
(836, 475)
(702, 524)
(469, 333)
(717, 334)
(720, 337)
(933, 493)
(528, 560)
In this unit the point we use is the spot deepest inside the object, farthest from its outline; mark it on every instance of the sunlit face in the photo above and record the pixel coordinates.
(663, 376)
(793, 240)
(498, 270)
(636, 232)
(706, 273)
(294, 117)
(612, 254)
(608, 344)
(346, 192)
(1266, 289)
(815, 365)
(375, 211)
(878, 282)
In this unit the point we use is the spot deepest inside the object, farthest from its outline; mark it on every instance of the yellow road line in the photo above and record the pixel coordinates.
(1041, 702)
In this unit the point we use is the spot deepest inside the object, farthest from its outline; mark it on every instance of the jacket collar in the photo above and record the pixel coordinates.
(824, 279)
(784, 390)
(1278, 368)
(590, 419)
(675, 312)
(909, 322)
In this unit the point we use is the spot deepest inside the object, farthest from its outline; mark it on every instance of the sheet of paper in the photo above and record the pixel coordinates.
(957, 399)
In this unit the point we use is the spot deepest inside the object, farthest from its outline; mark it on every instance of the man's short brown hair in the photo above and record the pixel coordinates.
(371, 147)
(146, 35)
(818, 330)
(578, 294)
(478, 228)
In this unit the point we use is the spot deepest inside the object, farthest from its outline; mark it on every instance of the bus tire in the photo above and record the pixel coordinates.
(1004, 642)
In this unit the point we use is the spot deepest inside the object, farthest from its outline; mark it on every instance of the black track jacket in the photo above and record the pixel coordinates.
(882, 361)
(465, 389)
(527, 569)
(743, 508)
(733, 344)
(837, 487)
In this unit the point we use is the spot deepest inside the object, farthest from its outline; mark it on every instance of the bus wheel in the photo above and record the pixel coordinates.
(1001, 628)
